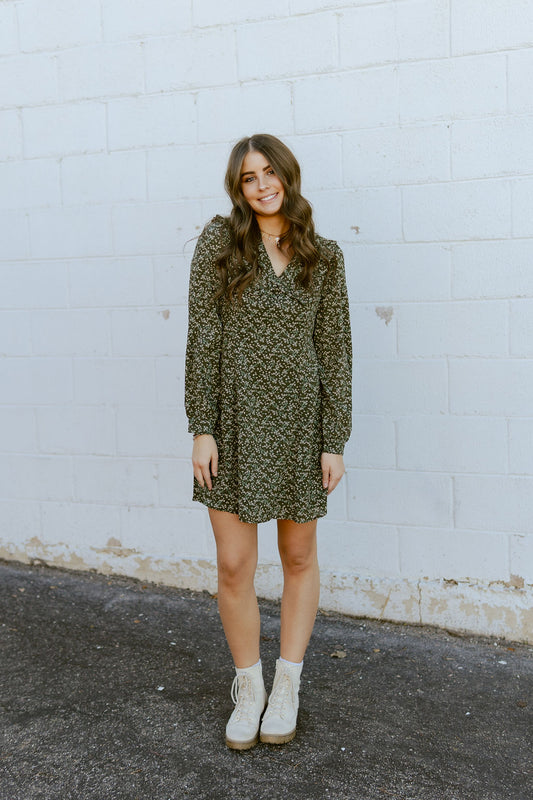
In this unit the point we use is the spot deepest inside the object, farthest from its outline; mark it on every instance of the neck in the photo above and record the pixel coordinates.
(274, 225)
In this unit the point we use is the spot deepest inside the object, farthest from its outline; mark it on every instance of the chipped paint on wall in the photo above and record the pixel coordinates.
(495, 609)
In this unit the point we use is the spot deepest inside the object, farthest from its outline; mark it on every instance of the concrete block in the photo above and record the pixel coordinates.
(372, 443)
(169, 380)
(155, 228)
(500, 29)
(206, 13)
(15, 334)
(422, 28)
(400, 387)
(451, 211)
(176, 483)
(287, 47)
(373, 331)
(491, 387)
(521, 547)
(149, 332)
(367, 35)
(111, 282)
(104, 178)
(114, 481)
(142, 20)
(29, 184)
(18, 432)
(28, 80)
(453, 88)
(522, 193)
(358, 215)
(35, 380)
(86, 522)
(69, 332)
(147, 431)
(171, 279)
(494, 502)
(398, 272)
(493, 269)
(76, 429)
(14, 235)
(172, 534)
(33, 285)
(452, 443)
(453, 328)
(10, 135)
(362, 99)
(305, 6)
(491, 147)
(320, 159)
(8, 29)
(105, 70)
(520, 64)
(70, 232)
(398, 497)
(397, 155)
(362, 548)
(58, 24)
(191, 171)
(521, 327)
(521, 446)
(121, 381)
(220, 111)
(21, 518)
(151, 121)
(460, 555)
(189, 61)
(63, 130)
(31, 477)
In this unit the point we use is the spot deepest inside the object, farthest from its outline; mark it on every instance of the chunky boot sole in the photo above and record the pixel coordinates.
(235, 745)
(277, 738)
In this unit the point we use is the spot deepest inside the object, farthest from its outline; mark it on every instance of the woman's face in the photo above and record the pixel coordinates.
(260, 185)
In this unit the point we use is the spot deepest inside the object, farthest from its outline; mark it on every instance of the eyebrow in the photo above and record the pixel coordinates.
(253, 173)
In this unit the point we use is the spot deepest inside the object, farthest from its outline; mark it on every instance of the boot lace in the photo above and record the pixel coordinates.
(242, 694)
(282, 698)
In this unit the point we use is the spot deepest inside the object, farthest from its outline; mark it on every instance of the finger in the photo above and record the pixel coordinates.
(214, 464)
(325, 477)
(198, 475)
(207, 475)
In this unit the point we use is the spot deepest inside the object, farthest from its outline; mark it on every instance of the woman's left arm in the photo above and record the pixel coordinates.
(333, 344)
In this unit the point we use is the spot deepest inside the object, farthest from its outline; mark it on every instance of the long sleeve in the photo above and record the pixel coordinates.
(204, 335)
(333, 344)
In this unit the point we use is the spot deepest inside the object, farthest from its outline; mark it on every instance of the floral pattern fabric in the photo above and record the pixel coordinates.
(271, 380)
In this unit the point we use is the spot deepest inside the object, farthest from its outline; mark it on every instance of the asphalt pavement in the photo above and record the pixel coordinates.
(114, 689)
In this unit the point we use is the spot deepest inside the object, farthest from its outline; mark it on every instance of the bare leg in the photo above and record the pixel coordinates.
(237, 603)
(301, 587)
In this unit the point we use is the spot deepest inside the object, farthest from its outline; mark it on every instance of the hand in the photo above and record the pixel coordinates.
(205, 454)
(332, 470)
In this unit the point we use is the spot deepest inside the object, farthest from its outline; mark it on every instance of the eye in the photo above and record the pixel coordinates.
(250, 178)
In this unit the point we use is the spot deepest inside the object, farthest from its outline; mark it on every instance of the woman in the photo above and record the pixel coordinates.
(268, 396)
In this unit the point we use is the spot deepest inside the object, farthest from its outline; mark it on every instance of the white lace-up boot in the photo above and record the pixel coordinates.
(279, 720)
(249, 695)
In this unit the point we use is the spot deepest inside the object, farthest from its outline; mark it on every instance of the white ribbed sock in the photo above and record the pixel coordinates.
(292, 663)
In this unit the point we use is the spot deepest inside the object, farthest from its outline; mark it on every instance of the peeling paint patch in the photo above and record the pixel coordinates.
(165, 313)
(385, 312)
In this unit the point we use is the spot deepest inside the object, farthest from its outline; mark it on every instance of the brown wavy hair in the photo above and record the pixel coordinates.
(237, 263)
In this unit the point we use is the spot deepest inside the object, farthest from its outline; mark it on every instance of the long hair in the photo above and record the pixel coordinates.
(237, 264)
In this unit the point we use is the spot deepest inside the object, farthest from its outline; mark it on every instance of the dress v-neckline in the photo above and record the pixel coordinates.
(270, 264)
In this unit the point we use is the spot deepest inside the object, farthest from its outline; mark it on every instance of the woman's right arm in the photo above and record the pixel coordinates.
(202, 357)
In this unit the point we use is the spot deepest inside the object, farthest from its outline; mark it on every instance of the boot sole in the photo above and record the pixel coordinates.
(235, 745)
(277, 738)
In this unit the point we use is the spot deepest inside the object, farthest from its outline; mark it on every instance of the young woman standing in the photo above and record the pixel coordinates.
(268, 374)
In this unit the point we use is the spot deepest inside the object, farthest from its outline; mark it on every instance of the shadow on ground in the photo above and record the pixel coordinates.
(113, 688)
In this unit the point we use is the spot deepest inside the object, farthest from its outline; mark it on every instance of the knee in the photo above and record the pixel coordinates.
(236, 573)
(298, 561)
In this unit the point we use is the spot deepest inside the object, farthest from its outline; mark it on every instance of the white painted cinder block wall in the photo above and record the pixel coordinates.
(413, 123)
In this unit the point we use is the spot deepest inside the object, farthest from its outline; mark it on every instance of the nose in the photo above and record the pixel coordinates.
(263, 181)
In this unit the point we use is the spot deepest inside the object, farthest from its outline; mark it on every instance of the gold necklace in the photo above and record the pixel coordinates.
(271, 236)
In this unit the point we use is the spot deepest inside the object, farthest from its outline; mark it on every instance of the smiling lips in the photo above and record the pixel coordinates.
(268, 198)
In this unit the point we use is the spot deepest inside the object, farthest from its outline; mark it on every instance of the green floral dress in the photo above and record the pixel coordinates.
(271, 380)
